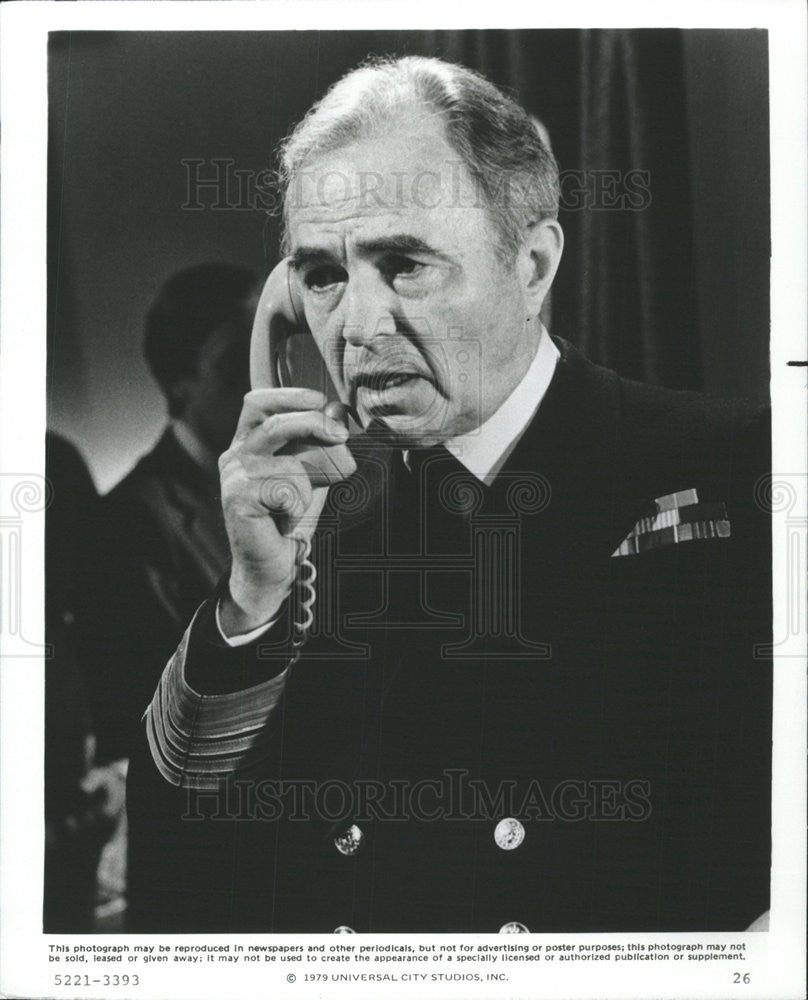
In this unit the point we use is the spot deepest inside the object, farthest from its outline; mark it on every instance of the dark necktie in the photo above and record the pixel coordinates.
(427, 502)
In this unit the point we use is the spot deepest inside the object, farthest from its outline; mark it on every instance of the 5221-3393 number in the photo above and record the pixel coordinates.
(86, 980)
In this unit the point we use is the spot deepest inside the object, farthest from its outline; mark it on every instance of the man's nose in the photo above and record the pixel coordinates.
(368, 309)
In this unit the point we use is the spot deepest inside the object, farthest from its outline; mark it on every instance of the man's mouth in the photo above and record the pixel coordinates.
(382, 381)
(379, 393)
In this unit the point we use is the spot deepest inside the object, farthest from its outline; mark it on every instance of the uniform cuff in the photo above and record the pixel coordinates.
(198, 739)
(214, 666)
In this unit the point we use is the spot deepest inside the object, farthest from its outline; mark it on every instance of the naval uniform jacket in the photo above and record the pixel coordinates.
(542, 705)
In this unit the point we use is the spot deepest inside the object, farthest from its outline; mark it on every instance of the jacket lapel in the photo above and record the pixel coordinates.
(573, 444)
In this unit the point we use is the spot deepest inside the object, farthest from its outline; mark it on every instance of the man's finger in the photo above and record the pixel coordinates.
(281, 428)
(290, 398)
(262, 403)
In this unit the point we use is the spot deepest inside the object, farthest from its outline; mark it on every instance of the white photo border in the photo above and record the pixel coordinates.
(775, 959)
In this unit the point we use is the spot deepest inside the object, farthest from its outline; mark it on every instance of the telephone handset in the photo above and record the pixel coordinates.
(279, 316)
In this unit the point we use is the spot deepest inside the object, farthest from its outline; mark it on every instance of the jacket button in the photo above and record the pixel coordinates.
(514, 927)
(509, 834)
(343, 929)
(350, 841)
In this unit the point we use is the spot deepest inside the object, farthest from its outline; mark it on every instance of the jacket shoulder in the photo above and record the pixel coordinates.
(668, 436)
(660, 413)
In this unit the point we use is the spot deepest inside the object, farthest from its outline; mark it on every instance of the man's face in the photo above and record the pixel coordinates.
(420, 324)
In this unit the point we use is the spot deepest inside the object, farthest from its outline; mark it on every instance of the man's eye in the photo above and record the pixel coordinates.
(324, 276)
(398, 266)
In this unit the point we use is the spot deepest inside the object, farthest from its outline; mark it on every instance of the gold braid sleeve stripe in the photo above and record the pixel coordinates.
(197, 741)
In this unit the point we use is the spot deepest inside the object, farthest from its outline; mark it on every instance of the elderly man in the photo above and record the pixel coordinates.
(528, 698)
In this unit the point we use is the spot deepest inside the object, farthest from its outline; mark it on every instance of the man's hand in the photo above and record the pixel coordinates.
(270, 506)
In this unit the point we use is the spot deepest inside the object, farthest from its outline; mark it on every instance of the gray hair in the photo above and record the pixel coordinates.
(495, 139)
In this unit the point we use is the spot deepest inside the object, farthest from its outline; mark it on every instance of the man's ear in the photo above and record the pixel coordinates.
(541, 254)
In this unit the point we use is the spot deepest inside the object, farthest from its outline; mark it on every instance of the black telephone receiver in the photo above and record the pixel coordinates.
(279, 316)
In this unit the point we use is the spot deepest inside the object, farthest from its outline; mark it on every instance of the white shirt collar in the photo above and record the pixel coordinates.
(197, 451)
(485, 450)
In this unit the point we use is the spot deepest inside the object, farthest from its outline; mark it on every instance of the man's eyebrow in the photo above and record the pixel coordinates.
(403, 243)
(306, 256)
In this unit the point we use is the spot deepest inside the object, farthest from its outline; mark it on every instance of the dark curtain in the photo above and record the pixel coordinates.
(632, 306)
(66, 365)
(615, 106)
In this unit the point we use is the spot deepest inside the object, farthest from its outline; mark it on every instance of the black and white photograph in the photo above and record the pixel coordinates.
(415, 534)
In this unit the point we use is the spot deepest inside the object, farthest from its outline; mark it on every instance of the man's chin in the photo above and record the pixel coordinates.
(404, 431)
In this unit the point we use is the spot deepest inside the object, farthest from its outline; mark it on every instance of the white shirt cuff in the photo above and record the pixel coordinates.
(244, 637)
